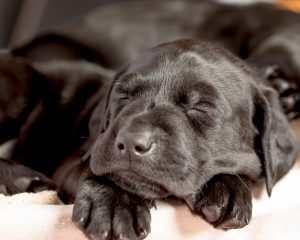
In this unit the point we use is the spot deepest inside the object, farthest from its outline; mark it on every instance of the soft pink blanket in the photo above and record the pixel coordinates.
(34, 217)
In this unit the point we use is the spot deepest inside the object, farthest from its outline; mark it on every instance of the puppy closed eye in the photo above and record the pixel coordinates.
(120, 94)
(202, 107)
(202, 116)
(194, 104)
(202, 113)
(127, 92)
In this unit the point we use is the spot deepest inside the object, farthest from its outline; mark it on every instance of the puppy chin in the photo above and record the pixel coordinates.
(137, 180)
(138, 185)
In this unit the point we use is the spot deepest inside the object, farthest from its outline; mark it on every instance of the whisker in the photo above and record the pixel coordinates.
(243, 182)
(121, 84)
(83, 137)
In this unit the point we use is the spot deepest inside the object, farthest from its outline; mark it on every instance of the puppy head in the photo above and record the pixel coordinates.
(17, 94)
(184, 112)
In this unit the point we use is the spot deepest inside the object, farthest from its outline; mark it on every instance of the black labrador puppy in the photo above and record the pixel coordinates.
(186, 119)
(183, 115)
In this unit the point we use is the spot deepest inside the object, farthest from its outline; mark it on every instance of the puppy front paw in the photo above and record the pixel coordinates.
(16, 178)
(103, 211)
(226, 202)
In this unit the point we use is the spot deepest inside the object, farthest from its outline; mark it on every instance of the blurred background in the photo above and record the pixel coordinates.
(22, 19)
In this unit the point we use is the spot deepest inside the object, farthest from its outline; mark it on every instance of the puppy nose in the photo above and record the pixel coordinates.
(131, 145)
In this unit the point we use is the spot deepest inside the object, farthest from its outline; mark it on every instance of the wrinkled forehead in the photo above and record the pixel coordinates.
(173, 66)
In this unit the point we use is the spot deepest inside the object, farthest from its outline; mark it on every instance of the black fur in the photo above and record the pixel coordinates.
(186, 119)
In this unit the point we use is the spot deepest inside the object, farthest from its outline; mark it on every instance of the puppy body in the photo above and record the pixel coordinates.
(49, 111)
(265, 36)
(262, 34)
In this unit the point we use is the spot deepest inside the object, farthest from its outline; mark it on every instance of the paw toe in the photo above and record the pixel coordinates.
(142, 222)
(231, 224)
(211, 213)
(81, 212)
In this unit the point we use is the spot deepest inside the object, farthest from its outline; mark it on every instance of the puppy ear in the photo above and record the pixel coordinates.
(101, 115)
(99, 120)
(275, 142)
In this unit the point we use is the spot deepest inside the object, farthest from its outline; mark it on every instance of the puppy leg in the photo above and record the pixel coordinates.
(16, 178)
(68, 176)
(226, 202)
(104, 211)
(277, 58)
(289, 91)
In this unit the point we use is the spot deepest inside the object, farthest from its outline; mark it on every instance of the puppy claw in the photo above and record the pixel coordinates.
(230, 224)
(122, 237)
(143, 233)
(104, 235)
(247, 220)
(233, 223)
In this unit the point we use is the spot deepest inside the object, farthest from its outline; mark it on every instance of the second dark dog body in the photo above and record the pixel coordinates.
(185, 119)
(265, 36)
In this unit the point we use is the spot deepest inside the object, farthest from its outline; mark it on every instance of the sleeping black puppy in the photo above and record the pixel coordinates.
(184, 114)
(186, 119)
